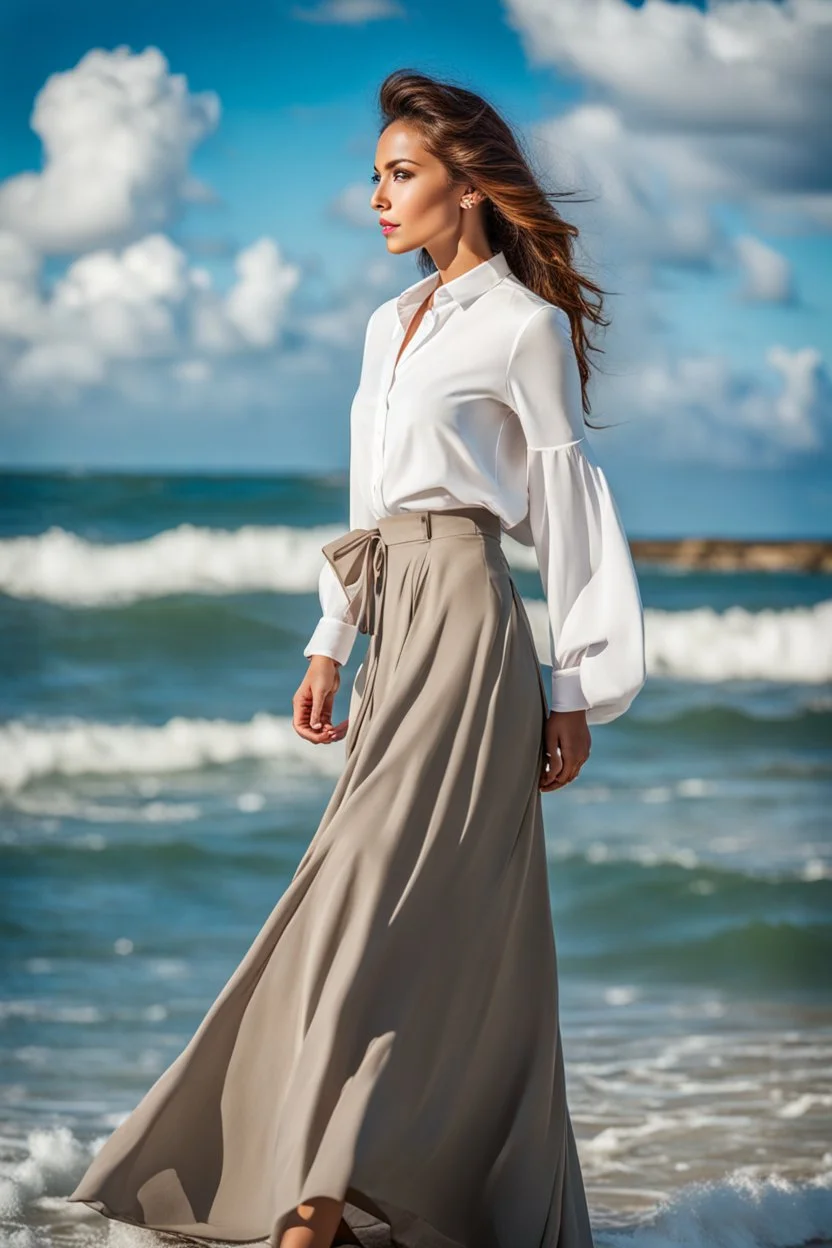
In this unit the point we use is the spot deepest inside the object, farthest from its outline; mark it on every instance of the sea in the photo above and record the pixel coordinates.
(155, 802)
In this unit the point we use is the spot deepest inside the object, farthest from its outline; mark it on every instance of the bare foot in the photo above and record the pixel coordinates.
(314, 1224)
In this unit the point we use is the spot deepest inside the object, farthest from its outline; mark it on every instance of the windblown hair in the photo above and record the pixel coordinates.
(477, 146)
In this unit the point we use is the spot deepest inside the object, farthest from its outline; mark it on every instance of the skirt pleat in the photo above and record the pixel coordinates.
(391, 1038)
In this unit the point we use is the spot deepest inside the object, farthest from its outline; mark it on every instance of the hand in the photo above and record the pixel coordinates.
(567, 747)
(312, 704)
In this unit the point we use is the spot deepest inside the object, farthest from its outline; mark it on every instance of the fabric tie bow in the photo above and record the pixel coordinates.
(358, 559)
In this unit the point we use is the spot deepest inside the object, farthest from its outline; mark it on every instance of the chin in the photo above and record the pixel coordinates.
(398, 247)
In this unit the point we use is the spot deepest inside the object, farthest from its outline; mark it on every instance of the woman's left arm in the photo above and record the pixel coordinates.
(333, 635)
(596, 617)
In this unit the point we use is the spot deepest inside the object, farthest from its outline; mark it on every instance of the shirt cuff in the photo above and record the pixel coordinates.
(333, 638)
(567, 694)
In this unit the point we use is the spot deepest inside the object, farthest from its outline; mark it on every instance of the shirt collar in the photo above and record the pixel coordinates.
(462, 290)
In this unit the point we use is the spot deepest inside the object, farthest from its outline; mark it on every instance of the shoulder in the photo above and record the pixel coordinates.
(384, 313)
(531, 318)
(539, 350)
(380, 324)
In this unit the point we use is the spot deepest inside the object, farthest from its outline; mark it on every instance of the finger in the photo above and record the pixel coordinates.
(550, 772)
(568, 775)
(332, 732)
(551, 764)
(556, 762)
(301, 716)
(316, 716)
(317, 738)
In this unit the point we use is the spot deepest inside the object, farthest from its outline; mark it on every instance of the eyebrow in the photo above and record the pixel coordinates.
(400, 160)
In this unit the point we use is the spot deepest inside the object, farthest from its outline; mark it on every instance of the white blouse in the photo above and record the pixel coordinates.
(484, 408)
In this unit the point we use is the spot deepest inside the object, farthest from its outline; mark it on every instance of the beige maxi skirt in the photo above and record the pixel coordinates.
(391, 1038)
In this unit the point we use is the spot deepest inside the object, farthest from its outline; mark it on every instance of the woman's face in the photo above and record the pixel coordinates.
(412, 192)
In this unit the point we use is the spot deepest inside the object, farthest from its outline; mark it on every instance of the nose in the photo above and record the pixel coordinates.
(379, 201)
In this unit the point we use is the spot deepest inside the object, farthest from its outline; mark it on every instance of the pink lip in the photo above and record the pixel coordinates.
(387, 229)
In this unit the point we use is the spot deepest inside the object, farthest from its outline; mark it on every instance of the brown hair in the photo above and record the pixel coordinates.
(479, 147)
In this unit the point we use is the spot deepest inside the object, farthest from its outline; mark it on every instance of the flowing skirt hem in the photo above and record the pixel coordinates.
(371, 1222)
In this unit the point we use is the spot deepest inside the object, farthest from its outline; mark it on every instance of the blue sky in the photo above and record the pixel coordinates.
(187, 269)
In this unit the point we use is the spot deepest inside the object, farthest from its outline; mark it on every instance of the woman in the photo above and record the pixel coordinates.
(385, 1066)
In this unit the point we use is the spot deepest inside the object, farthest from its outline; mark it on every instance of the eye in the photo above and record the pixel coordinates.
(375, 177)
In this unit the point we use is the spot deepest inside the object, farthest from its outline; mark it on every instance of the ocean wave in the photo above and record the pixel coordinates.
(672, 867)
(75, 747)
(62, 567)
(657, 881)
(32, 749)
(749, 956)
(742, 1210)
(790, 645)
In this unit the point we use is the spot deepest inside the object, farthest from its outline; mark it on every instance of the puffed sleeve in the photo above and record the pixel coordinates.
(333, 636)
(596, 617)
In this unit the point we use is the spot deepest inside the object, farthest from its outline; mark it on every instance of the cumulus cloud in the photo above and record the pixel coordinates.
(58, 370)
(703, 409)
(687, 109)
(804, 405)
(19, 301)
(633, 211)
(767, 274)
(255, 305)
(130, 323)
(733, 98)
(118, 131)
(144, 302)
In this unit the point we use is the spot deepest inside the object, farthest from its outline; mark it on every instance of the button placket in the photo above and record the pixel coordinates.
(426, 327)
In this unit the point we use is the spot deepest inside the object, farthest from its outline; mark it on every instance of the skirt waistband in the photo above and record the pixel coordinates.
(359, 557)
(417, 526)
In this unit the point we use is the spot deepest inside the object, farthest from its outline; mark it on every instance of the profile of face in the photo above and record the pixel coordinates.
(413, 195)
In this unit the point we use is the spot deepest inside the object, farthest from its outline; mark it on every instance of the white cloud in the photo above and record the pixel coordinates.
(255, 305)
(687, 109)
(19, 300)
(804, 405)
(767, 273)
(118, 131)
(123, 302)
(731, 64)
(633, 209)
(130, 324)
(733, 98)
(59, 370)
(141, 303)
(349, 12)
(703, 409)
(353, 206)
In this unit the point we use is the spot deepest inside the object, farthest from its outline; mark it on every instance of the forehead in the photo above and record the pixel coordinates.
(399, 141)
